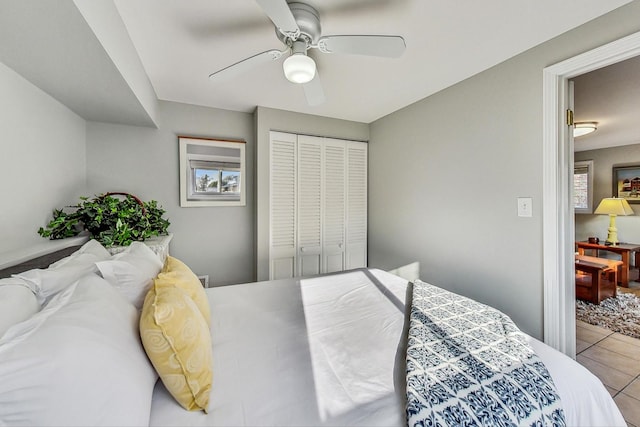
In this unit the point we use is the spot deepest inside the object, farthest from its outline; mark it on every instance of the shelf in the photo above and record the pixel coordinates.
(15, 257)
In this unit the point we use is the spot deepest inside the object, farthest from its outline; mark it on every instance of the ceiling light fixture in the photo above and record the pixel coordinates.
(299, 68)
(584, 128)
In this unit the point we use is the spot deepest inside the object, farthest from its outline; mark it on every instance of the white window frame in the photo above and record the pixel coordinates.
(588, 164)
(191, 198)
(218, 166)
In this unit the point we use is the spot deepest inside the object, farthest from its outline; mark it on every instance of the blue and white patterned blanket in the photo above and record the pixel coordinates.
(469, 365)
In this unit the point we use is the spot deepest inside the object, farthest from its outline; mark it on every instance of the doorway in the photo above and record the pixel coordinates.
(558, 217)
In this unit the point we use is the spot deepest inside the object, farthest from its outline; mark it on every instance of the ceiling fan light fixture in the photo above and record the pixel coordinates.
(299, 68)
(297, 26)
(584, 128)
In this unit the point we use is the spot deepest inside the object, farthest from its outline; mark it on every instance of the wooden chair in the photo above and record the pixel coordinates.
(596, 278)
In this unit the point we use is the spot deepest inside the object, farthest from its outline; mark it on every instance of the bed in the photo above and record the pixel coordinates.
(324, 350)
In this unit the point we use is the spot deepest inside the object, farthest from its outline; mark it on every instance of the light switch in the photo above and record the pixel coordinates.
(524, 207)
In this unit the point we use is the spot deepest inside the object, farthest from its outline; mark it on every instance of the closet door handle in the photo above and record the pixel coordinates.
(340, 245)
(303, 249)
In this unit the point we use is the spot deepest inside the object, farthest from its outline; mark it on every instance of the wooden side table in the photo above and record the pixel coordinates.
(596, 278)
(624, 249)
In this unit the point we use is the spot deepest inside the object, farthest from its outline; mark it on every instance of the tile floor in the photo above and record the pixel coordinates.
(615, 359)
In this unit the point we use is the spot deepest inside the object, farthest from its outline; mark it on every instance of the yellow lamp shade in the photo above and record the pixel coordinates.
(614, 206)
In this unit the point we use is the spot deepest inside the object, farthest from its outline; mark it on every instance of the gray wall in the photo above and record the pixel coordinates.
(42, 161)
(445, 173)
(603, 162)
(217, 241)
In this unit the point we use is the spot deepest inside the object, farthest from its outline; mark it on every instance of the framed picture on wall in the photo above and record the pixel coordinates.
(626, 182)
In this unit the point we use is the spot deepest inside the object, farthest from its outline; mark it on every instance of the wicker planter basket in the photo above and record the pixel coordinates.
(110, 220)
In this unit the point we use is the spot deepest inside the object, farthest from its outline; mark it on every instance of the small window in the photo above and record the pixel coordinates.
(211, 172)
(583, 187)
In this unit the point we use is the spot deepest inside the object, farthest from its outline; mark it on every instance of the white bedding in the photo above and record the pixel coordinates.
(330, 351)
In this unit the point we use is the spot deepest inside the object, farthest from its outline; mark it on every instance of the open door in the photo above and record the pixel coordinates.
(558, 219)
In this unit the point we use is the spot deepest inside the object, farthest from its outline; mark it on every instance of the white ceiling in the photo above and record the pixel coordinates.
(181, 42)
(79, 52)
(609, 96)
(49, 43)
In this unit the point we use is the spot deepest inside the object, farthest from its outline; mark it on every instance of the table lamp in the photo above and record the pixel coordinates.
(613, 206)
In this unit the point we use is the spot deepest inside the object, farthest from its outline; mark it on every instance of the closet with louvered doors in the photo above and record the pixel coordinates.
(318, 205)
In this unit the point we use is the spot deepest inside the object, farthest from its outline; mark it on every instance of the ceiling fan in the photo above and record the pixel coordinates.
(298, 28)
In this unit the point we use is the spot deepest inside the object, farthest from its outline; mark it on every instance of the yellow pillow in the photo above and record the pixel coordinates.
(178, 342)
(176, 273)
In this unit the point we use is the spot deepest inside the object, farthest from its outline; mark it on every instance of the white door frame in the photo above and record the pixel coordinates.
(558, 221)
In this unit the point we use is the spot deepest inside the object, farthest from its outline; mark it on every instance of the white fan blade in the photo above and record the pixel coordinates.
(313, 91)
(280, 14)
(384, 46)
(245, 65)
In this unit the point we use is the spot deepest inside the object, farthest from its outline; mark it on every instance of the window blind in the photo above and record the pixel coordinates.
(210, 164)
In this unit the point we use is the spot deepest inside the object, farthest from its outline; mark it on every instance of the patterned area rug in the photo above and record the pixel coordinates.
(620, 314)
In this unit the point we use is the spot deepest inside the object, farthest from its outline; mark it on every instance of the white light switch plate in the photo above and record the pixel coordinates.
(525, 207)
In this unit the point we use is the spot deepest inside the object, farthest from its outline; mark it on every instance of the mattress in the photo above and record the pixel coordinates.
(330, 350)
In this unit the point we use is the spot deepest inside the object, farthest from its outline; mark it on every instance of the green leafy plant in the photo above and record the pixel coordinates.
(110, 220)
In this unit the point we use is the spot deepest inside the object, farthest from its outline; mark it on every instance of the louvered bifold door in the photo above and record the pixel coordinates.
(334, 199)
(282, 253)
(309, 224)
(356, 230)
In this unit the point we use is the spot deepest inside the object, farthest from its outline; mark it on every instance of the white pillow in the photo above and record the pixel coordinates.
(47, 282)
(17, 303)
(132, 271)
(90, 250)
(78, 362)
